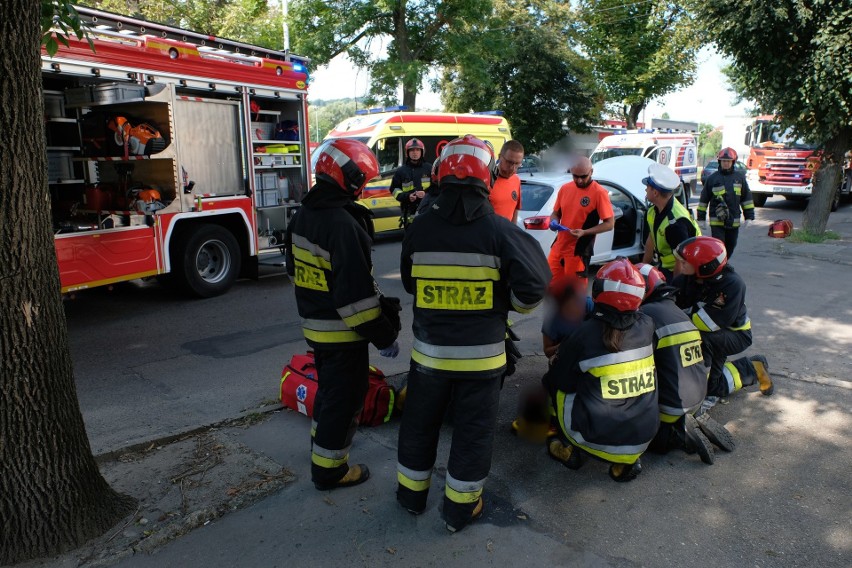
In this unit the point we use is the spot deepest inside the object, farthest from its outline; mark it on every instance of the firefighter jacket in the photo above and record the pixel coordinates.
(715, 303)
(335, 291)
(726, 196)
(669, 228)
(467, 267)
(607, 402)
(681, 369)
(409, 177)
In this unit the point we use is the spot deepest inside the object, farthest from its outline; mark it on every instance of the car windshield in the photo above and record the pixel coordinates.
(605, 153)
(316, 152)
(772, 133)
(714, 165)
(534, 195)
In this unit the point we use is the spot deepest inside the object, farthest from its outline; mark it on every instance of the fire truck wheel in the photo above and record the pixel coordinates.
(759, 199)
(210, 259)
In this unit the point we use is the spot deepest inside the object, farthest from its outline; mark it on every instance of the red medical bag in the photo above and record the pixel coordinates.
(781, 229)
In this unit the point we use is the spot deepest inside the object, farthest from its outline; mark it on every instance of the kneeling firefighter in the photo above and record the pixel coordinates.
(342, 310)
(603, 383)
(713, 295)
(466, 267)
(681, 374)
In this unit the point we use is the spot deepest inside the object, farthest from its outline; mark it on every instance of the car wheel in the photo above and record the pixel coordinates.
(209, 261)
(759, 199)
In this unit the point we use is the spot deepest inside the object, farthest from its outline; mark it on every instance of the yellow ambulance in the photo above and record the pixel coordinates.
(386, 131)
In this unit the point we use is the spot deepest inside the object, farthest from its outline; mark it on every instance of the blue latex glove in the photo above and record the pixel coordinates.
(555, 226)
(390, 351)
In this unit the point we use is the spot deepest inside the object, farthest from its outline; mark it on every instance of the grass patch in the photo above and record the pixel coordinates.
(803, 236)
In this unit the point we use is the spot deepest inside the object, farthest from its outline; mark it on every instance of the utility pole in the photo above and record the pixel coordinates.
(286, 27)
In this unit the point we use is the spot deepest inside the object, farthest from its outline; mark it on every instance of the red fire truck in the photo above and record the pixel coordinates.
(170, 153)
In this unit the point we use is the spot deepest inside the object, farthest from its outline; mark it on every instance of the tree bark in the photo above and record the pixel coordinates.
(631, 116)
(52, 496)
(406, 57)
(826, 182)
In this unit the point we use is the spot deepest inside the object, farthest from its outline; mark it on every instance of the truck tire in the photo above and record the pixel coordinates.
(208, 261)
(759, 199)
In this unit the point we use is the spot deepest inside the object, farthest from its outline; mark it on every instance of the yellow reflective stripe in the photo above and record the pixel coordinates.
(328, 463)
(716, 223)
(733, 378)
(629, 367)
(450, 272)
(305, 256)
(481, 364)
(679, 338)
(743, 327)
(363, 317)
(331, 336)
(612, 458)
(669, 418)
(463, 498)
(699, 323)
(702, 207)
(521, 307)
(413, 484)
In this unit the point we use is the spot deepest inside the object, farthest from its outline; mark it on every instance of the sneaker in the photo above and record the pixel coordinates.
(716, 433)
(761, 367)
(567, 455)
(624, 472)
(476, 514)
(356, 475)
(698, 442)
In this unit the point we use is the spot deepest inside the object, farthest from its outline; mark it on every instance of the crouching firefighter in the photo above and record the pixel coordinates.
(329, 260)
(603, 383)
(681, 374)
(713, 295)
(466, 267)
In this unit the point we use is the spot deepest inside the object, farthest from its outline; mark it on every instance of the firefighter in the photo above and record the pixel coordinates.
(584, 208)
(726, 196)
(713, 295)
(669, 222)
(411, 180)
(339, 302)
(505, 194)
(432, 190)
(603, 382)
(466, 268)
(681, 374)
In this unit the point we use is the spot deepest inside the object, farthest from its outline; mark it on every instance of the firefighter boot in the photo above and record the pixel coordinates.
(356, 475)
(716, 433)
(624, 472)
(566, 454)
(453, 526)
(696, 441)
(533, 424)
(761, 367)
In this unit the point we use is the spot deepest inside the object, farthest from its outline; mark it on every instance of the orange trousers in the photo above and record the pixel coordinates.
(564, 263)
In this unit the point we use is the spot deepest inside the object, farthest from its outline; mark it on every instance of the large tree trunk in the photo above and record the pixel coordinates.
(826, 183)
(631, 114)
(400, 26)
(52, 496)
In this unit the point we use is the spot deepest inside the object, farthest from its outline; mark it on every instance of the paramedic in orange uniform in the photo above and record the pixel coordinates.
(505, 194)
(583, 207)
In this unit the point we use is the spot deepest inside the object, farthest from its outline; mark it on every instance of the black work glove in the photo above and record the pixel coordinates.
(391, 307)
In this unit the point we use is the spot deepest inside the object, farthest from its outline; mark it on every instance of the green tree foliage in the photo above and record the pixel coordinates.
(325, 115)
(641, 49)
(253, 21)
(794, 59)
(415, 35)
(526, 67)
(709, 142)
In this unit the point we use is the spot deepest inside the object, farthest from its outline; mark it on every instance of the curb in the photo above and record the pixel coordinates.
(785, 250)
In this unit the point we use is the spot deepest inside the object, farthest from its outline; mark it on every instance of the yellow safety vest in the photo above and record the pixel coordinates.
(664, 249)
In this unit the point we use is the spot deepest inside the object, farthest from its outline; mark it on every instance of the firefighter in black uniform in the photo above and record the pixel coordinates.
(339, 302)
(713, 295)
(726, 195)
(466, 267)
(603, 384)
(411, 180)
(681, 373)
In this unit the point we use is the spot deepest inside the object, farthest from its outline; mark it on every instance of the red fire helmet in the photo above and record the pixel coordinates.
(467, 161)
(412, 144)
(727, 154)
(706, 254)
(619, 285)
(652, 275)
(348, 164)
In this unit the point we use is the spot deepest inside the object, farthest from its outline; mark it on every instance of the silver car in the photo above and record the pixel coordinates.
(621, 177)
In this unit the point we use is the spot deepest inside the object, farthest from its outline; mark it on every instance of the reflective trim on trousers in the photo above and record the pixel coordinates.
(413, 479)
(329, 459)
(360, 312)
(616, 358)
(521, 307)
(732, 376)
(703, 321)
(463, 492)
(744, 327)
(616, 454)
(673, 413)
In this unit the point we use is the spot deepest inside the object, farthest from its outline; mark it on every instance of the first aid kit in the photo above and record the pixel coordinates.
(299, 384)
(781, 229)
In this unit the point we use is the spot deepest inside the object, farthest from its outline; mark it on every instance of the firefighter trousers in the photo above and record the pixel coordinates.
(474, 417)
(343, 381)
(727, 235)
(727, 377)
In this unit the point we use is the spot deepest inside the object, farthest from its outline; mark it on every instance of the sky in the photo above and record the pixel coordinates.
(706, 100)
